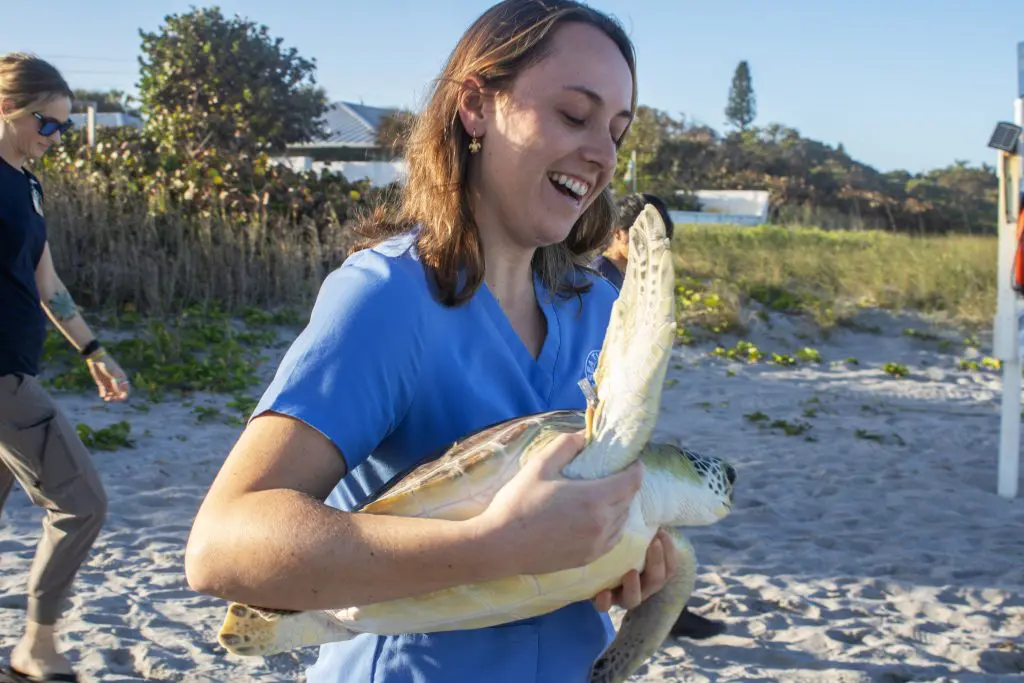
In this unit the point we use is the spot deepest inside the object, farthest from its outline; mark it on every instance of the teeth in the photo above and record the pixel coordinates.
(577, 187)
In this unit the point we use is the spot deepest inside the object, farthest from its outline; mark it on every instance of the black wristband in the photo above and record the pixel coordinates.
(90, 348)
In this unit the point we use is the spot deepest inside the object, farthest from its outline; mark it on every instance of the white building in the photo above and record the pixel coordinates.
(741, 207)
(349, 147)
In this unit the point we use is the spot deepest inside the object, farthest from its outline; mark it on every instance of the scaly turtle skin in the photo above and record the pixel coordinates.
(680, 488)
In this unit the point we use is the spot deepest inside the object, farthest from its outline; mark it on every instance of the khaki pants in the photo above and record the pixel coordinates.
(40, 448)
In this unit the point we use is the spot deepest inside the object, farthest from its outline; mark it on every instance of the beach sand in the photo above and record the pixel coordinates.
(868, 545)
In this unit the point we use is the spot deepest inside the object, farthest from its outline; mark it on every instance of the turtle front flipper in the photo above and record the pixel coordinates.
(645, 628)
(255, 632)
(634, 356)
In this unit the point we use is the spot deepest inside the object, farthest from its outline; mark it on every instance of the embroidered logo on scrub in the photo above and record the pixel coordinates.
(590, 367)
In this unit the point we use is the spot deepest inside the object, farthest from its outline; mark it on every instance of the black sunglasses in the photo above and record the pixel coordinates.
(48, 126)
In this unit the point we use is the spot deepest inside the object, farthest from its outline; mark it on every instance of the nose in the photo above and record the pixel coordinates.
(730, 474)
(601, 152)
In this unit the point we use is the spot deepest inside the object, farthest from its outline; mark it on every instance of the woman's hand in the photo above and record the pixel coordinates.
(542, 522)
(662, 563)
(108, 375)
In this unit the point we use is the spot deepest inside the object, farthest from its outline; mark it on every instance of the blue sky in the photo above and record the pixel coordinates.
(912, 84)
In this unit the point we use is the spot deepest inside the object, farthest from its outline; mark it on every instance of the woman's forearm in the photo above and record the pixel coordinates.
(286, 550)
(65, 316)
(56, 300)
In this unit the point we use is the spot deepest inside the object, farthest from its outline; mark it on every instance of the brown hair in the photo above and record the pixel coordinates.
(632, 205)
(26, 80)
(505, 40)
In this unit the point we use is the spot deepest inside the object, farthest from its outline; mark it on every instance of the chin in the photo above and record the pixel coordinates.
(553, 234)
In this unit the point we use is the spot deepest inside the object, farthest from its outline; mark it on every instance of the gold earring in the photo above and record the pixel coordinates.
(474, 145)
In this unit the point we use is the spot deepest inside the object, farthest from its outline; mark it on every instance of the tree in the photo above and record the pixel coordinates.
(211, 82)
(393, 131)
(650, 130)
(742, 108)
(808, 180)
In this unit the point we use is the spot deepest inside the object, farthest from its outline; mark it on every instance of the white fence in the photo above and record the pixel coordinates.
(377, 172)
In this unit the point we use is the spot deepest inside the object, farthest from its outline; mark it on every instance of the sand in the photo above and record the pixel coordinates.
(870, 547)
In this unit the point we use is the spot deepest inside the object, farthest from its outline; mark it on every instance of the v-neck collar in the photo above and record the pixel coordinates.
(540, 371)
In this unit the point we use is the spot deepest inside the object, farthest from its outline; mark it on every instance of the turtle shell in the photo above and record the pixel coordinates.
(460, 482)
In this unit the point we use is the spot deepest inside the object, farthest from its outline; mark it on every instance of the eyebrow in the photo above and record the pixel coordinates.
(595, 98)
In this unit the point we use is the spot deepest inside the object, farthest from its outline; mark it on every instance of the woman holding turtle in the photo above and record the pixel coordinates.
(472, 306)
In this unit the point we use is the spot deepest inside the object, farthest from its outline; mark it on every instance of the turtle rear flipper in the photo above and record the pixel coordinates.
(646, 627)
(255, 632)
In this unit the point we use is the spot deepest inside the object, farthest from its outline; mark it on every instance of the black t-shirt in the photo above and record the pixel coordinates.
(608, 270)
(22, 238)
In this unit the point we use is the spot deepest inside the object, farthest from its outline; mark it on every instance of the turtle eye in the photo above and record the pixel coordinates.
(730, 474)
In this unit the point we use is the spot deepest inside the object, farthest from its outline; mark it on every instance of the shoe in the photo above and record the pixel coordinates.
(14, 676)
(696, 627)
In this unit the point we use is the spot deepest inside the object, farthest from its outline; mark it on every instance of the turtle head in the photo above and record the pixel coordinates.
(686, 488)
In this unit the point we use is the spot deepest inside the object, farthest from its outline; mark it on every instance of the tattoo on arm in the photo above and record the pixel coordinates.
(62, 305)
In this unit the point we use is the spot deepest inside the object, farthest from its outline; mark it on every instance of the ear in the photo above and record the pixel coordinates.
(473, 107)
(6, 105)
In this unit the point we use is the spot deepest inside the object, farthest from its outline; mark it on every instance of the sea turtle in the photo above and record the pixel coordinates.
(680, 488)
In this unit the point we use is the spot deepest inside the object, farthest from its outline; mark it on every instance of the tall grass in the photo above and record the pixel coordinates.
(828, 272)
(117, 254)
(829, 218)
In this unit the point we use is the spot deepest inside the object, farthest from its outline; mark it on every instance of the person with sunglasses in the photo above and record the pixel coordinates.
(38, 445)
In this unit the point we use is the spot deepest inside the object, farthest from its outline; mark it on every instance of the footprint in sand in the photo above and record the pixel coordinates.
(925, 633)
(848, 635)
(826, 542)
(730, 543)
(170, 595)
(14, 602)
(120, 661)
(1002, 661)
(967, 574)
(103, 618)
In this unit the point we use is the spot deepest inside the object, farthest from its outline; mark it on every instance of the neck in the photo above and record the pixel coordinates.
(507, 264)
(507, 271)
(617, 257)
(8, 153)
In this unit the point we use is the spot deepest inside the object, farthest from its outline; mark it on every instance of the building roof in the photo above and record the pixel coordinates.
(350, 125)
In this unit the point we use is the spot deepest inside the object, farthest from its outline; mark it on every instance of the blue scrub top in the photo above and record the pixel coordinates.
(391, 375)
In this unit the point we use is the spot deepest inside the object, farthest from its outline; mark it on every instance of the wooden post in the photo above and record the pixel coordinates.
(90, 121)
(90, 124)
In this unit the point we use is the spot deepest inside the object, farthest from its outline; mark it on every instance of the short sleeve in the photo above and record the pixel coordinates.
(352, 372)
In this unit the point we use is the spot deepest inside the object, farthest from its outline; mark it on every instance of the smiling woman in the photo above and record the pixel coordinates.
(38, 446)
(471, 305)
(544, 92)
